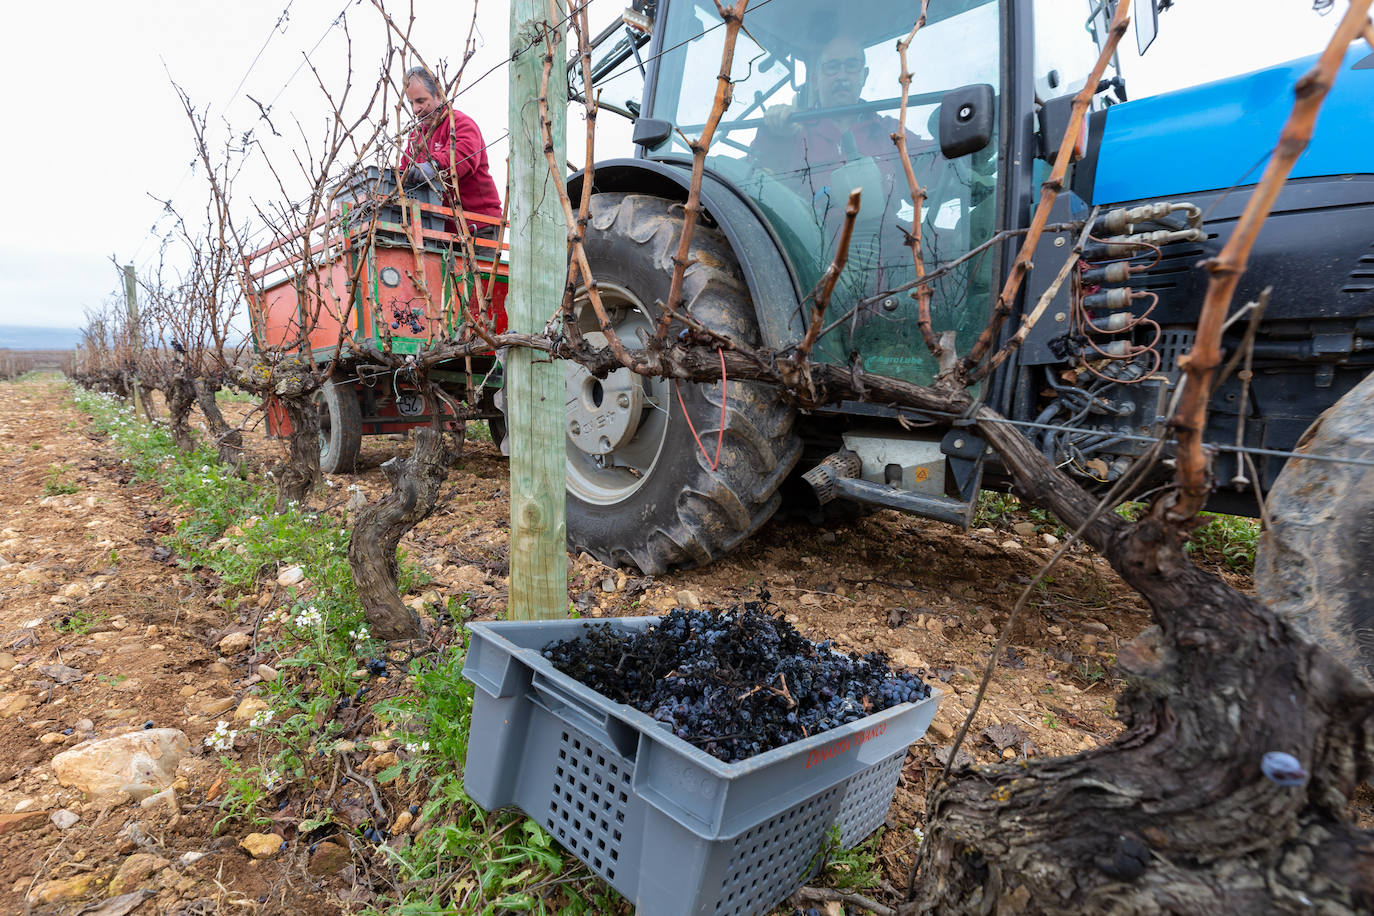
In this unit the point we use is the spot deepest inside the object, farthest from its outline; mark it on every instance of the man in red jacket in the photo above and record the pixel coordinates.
(448, 144)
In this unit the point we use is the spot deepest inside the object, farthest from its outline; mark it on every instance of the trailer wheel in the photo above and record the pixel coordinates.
(341, 426)
(640, 489)
(1313, 561)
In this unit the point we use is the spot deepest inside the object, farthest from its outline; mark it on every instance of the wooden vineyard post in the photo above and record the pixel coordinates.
(135, 336)
(534, 383)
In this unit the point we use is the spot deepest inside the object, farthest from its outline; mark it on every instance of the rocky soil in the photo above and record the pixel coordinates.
(114, 669)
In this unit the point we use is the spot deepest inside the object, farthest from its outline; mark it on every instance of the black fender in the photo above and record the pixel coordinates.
(769, 274)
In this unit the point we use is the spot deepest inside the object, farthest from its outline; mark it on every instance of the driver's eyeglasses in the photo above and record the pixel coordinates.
(850, 65)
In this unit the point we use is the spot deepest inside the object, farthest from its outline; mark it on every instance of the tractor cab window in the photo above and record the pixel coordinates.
(1068, 35)
(816, 103)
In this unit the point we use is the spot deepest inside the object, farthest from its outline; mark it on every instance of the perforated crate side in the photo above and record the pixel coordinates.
(770, 861)
(867, 796)
(590, 802)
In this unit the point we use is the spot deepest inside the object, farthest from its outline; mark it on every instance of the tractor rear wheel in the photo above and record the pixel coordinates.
(341, 426)
(1314, 561)
(641, 488)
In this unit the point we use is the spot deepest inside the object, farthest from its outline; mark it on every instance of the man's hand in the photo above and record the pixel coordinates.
(778, 120)
(419, 173)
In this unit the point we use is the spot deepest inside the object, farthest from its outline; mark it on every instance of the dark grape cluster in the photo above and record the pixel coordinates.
(411, 316)
(735, 683)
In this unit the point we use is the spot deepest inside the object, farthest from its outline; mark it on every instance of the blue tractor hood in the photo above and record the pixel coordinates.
(1220, 135)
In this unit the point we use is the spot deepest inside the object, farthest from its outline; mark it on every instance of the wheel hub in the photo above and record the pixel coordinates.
(602, 415)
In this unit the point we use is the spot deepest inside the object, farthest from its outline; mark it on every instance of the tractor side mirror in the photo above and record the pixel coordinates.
(650, 132)
(1146, 24)
(967, 117)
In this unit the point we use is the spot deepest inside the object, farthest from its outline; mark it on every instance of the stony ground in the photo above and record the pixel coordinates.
(101, 633)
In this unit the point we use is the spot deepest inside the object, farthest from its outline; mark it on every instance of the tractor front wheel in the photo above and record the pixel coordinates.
(644, 486)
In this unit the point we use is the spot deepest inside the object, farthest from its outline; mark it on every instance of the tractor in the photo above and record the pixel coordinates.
(662, 475)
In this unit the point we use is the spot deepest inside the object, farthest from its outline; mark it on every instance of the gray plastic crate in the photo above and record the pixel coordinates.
(372, 192)
(669, 826)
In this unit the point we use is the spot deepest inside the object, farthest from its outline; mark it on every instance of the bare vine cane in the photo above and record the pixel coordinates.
(733, 17)
(971, 367)
(918, 194)
(820, 299)
(1201, 361)
(578, 263)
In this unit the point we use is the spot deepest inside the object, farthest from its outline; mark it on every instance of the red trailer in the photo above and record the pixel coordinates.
(382, 272)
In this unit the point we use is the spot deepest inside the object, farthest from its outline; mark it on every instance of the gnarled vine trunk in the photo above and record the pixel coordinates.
(179, 391)
(415, 484)
(228, 440)
(1177, 815)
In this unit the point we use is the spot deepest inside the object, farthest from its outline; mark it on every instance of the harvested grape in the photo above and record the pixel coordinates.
(735, 683)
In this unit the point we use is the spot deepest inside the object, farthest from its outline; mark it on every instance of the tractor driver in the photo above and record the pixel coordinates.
(447, 148)
(807, 152)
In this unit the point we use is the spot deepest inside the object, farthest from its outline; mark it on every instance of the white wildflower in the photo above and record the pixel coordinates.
(222, 738)
(261, 718)
(359, 636)
(310, 617)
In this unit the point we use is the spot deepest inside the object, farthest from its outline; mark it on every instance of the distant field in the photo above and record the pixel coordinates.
(22, 337)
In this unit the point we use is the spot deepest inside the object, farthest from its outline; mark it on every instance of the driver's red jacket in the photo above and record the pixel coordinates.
(454, 144)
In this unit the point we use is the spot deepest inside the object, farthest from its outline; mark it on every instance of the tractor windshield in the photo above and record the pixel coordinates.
(816, 103)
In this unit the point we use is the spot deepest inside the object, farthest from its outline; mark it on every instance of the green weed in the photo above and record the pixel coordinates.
(79, 622)
(244, 796)
(478, 431)
(55, 482)
(1227, 540)
(1002, 510)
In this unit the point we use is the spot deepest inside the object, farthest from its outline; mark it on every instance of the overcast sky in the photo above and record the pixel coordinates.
(97, 136)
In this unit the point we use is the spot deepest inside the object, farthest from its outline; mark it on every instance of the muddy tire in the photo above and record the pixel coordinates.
(641, 490)
(341, 426)
(1314, 561)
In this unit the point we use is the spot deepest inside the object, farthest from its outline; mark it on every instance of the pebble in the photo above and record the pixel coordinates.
(608, 585)
(190, 858)
(267, 672)
(249, 708)
(215, 707)
(7, 661)
(64, 819)
(235, 643)
(291, 575)
(1049, 540)
(402, 822)
(188, 691)
(687, 599)
(989, 630)
(261, 845)
(1025, 529)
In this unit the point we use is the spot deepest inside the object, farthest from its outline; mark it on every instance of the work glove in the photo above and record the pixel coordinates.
(419, 173)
